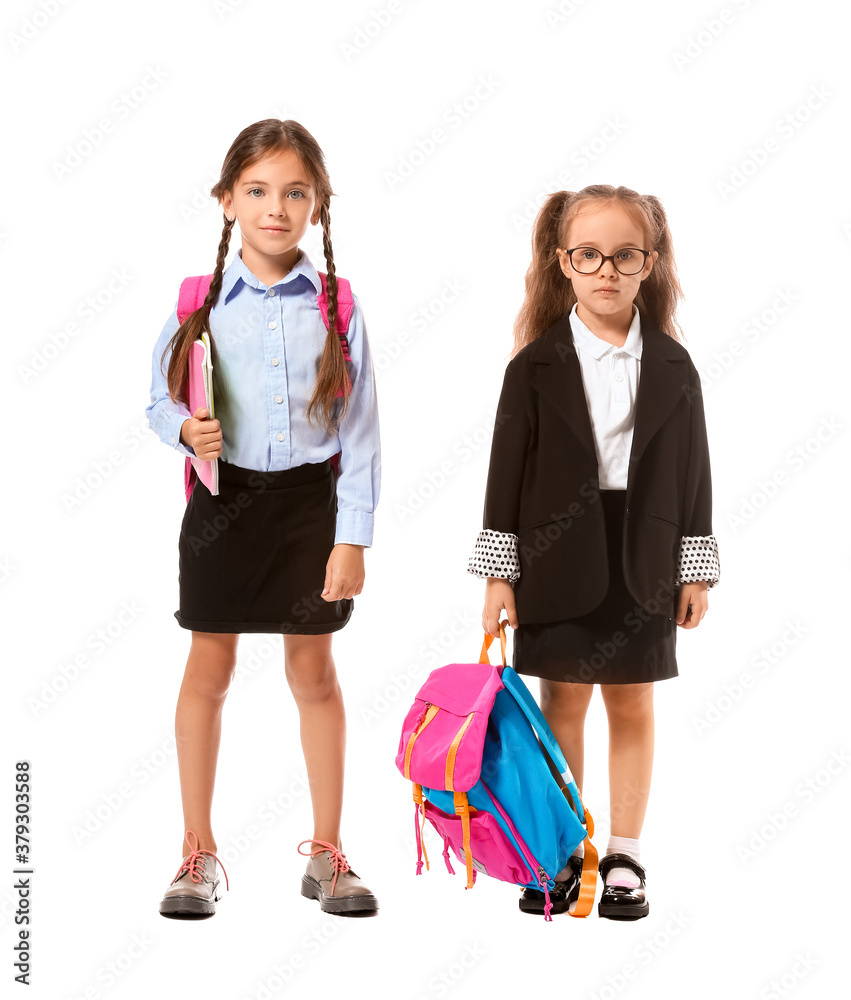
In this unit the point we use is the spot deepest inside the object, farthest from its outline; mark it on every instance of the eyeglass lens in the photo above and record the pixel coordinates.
(586, 260)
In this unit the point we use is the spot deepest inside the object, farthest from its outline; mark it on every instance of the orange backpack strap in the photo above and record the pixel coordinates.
(419, 807)
(462, 809)
(588, 881)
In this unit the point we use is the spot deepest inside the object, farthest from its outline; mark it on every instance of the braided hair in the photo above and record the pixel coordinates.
(267, 138)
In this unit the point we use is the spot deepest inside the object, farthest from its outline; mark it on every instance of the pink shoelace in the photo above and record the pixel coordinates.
(195, 860)
(338, 859)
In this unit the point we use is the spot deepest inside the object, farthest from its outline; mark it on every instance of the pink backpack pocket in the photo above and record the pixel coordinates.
(444, 731)
(494, 854)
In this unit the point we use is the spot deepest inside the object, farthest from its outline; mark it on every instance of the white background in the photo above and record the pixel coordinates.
(745, 861)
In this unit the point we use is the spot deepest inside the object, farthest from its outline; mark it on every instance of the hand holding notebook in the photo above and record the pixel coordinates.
(201, 396)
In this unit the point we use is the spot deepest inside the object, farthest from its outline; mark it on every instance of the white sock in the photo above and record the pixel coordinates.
(567, 871)
(623, 876)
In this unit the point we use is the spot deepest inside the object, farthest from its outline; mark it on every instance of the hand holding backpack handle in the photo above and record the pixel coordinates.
(486, 645)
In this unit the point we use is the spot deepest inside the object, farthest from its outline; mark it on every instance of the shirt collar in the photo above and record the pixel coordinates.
(237, 271)
(585, 340)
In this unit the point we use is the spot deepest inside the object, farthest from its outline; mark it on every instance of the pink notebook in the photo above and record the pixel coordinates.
(201, 394)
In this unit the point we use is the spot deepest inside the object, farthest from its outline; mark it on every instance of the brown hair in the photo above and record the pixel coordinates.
(550, 294)
(261, 139)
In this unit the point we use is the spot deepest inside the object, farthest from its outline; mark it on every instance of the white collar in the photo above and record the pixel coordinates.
(590, 343)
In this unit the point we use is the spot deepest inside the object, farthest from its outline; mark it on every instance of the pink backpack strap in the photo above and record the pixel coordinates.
(345, 305)
(193, 291)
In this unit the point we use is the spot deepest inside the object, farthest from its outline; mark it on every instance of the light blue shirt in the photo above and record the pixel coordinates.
(269, 343)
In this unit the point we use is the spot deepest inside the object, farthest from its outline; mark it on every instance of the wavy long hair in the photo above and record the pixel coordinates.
(264, 138)
(550, 294)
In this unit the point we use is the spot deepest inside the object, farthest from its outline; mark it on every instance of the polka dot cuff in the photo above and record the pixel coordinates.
(698, 560)
(495, 554)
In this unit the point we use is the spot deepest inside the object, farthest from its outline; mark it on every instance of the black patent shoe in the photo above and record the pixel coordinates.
(561, 895)
(618, 901)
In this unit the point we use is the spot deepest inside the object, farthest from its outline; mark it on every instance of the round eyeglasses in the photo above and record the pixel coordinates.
(587, 260)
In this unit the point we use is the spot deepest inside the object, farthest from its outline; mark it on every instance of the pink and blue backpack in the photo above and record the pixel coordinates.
(490, 777)
(193, 291)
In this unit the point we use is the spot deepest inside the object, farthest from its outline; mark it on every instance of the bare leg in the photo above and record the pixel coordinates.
(630, 711)
(312, 678)
(198, 728)
(564, 706)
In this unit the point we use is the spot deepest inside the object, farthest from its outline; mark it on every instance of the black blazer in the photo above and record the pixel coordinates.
(543, 478)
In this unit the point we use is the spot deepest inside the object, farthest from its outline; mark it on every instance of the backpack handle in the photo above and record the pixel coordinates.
(485, 656)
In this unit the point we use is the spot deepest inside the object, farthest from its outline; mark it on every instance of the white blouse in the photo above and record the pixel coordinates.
(610, 377)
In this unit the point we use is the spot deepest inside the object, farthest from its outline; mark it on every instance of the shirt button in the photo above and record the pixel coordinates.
(619, 377)
(271, 293)
(279, 399)
(273, 325)
(275, 362)
(280, 436)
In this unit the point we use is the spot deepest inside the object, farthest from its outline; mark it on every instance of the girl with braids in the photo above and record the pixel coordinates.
(597, 539)
(280, 548)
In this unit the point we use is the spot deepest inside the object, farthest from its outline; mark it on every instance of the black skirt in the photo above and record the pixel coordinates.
(253, 558)
(618, 642)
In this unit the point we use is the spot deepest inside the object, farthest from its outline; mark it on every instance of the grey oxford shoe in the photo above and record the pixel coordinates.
(330, 879)
(194, 890)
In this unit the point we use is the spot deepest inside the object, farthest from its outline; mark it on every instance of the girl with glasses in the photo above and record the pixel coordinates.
(597, 537)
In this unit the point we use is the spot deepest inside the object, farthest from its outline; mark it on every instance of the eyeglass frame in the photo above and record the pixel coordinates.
(606, 257)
